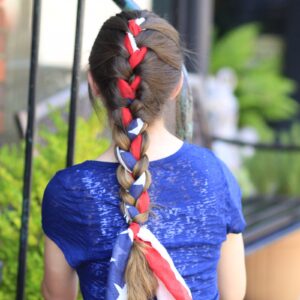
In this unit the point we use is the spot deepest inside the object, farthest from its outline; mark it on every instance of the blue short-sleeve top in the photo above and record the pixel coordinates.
(197, 202)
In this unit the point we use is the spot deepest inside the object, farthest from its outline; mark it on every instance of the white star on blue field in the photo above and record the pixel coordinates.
(116, 286)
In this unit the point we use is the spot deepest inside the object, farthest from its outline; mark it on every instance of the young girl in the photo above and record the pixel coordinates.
(154, 217)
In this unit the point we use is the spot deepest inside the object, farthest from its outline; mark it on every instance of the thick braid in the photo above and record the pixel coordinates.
(134, 162)
(155, 273)
(136, 210)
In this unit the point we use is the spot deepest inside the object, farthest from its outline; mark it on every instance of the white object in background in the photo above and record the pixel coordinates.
(221, 107)
(248, 135)
(58, 29)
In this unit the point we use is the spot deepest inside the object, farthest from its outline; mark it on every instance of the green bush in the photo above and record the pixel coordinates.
(277, 172)
(262, 91)
(264, 96)
(49, 156)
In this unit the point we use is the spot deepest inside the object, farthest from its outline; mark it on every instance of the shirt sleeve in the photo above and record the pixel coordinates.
(235, 220)
(58, 221)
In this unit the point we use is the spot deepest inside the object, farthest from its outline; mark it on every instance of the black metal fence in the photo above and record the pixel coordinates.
(36, 15)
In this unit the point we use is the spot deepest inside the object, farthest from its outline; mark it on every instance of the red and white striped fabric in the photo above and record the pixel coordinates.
(171, 284)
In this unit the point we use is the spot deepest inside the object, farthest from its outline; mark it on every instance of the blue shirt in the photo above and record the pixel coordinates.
(197, 202)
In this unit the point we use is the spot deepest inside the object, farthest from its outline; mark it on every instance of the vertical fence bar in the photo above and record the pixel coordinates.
(75, 82)
(36, 13)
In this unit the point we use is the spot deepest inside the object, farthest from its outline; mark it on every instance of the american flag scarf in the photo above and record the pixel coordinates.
(170, 283)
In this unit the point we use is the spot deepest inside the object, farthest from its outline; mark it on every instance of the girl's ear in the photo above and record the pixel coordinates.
(178, 87)
(93, 84)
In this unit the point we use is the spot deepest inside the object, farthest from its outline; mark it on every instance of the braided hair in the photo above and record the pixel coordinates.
(136, 62)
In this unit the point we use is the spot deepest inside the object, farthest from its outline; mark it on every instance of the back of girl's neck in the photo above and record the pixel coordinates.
(161, 144)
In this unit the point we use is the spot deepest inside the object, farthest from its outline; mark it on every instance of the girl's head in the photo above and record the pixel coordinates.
(160, 70)
(135, 88)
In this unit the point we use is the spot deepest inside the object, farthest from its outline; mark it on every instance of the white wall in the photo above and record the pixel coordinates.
(58, 28)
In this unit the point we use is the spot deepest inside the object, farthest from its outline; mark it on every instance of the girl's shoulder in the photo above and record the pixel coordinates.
(204, 158)
(200, 151)
(222, 182)
(77, 176)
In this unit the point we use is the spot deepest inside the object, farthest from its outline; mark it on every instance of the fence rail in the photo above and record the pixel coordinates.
(27, 178)
(260, 146)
